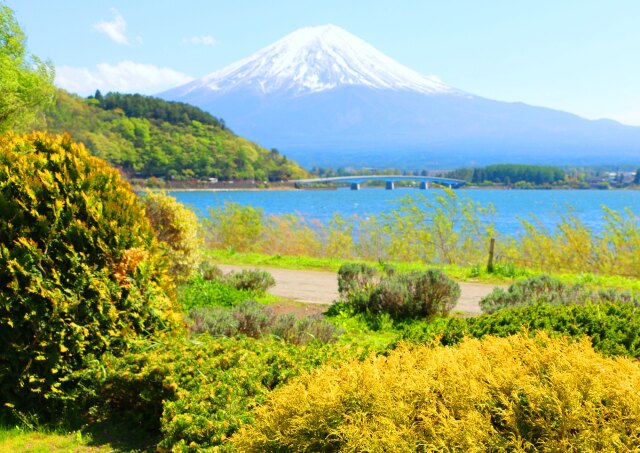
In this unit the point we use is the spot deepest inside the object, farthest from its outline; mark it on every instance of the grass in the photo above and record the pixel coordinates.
(18, 440)
(96, 438)
(227, 256)
(503, 274)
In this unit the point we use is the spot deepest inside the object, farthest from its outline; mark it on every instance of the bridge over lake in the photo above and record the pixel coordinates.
(356, 180)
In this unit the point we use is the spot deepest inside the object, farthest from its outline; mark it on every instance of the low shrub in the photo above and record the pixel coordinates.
(435, 294)
(198, 292)
(355, 278)
(545, 289)
(257, 321)
(250, 280)
(613, 328)
(197, 392)
(496, 394)
(210, 271)
(253, 319)
(306, 330)
(410, 296)
(216, 321)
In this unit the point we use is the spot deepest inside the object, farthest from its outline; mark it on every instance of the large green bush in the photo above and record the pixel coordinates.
(78, 272)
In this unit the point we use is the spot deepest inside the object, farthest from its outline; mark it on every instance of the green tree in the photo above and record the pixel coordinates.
(26, 83)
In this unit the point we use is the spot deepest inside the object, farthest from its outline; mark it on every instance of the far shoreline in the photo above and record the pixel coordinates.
(288, 189)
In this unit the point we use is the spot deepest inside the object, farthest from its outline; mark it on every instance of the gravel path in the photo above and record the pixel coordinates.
(321, 287)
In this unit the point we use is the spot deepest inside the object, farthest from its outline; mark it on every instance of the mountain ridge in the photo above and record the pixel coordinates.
(337, 96)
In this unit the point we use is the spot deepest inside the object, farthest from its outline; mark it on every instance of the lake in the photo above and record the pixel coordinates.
(510, 205)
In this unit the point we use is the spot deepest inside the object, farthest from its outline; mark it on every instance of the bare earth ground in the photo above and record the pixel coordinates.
(318, 289)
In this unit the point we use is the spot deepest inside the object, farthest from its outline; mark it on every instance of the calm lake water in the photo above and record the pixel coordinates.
(510, 205)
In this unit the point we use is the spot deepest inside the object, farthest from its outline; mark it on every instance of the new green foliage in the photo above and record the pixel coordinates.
(442, 228)
(26, 83)
(79, 271)
(150, 137)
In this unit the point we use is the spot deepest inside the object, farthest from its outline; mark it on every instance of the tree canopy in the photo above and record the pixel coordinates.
(510, 174)
(26, 83)
(139, 106)
(145, 136)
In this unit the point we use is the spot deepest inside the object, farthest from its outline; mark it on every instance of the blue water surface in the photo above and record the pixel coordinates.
(547, 206)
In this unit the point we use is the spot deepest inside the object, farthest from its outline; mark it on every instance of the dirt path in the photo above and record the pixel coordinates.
(319, 287)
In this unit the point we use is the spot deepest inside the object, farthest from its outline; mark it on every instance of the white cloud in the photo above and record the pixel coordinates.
(125, 77)
(114, 29)
(203, 40)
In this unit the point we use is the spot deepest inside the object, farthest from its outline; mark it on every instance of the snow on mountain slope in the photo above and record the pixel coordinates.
(315, 59)
(325, 97)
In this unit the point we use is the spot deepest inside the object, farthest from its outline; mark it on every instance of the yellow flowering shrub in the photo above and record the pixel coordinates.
(518, 393)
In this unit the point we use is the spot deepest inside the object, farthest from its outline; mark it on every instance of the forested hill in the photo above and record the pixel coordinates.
(145, 136)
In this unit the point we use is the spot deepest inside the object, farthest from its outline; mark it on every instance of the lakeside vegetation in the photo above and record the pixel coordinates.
(119, 335)
(445, 229)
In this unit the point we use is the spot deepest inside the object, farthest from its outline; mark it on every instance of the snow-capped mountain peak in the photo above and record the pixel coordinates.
(315, 59)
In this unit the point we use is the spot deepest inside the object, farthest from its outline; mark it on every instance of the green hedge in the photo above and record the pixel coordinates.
(614, 328)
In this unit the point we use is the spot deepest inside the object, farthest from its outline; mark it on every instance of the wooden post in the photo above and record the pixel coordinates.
(491, 248)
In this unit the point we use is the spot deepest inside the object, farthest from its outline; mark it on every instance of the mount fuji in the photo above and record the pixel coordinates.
(324, 97)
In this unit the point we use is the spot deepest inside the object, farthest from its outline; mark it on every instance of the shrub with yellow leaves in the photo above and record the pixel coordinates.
(178, 232)
(518, 393)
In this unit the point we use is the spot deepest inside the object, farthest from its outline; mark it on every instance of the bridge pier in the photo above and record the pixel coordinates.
(424, 185)
(355, 186)
(390, 185)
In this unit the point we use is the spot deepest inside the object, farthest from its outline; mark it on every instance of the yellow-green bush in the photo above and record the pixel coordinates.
(78, 271)
(197, 391)
(497, 394)
(178, 231)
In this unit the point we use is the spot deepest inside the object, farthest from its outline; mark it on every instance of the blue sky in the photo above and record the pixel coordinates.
(581, 56)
